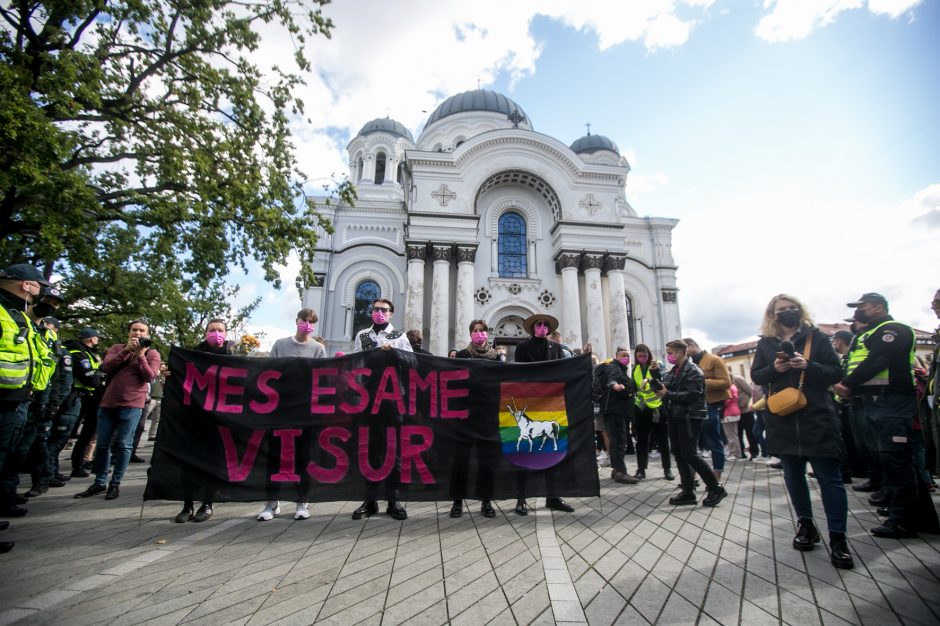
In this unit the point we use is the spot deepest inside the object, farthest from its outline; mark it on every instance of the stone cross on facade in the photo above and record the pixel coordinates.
(444, 195)
(589, 204)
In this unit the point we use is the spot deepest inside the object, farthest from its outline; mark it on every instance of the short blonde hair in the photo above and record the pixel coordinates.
(770, 327)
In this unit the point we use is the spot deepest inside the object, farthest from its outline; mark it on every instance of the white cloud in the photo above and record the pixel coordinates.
(641, 184)
(797, 19)
(735, 256)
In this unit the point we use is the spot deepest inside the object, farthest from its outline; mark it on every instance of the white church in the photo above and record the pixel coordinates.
(485, 218)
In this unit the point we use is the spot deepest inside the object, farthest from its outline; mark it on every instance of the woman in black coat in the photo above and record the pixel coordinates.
(811, 433)
(214, 343)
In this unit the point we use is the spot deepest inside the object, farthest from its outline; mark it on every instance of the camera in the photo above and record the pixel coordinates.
(144, 342)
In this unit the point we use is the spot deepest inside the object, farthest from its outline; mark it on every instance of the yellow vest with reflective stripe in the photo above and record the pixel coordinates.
(15, 356)
(644, 391)
(79, 356)
(860, 352)
(45, 359)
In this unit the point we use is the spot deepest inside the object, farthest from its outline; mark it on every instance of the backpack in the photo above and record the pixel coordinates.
(598, 386)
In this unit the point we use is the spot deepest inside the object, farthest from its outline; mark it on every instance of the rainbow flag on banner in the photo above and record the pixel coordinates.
(533, 423)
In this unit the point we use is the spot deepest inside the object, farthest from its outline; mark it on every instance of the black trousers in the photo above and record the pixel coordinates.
(646, 430)
(487, 458)
(683, 433)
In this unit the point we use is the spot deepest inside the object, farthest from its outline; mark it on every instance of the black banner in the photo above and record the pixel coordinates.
(372, 424)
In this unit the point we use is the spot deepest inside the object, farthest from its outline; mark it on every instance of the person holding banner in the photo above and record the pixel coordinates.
(478, 348)
(381, 334)
(303, 345)
(539, 348)
(214, 343)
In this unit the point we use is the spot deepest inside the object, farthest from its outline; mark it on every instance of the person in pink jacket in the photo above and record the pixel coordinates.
(729, 423)
(130, 367)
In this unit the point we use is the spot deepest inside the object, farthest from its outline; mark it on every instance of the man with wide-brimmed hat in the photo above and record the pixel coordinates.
(535, 349)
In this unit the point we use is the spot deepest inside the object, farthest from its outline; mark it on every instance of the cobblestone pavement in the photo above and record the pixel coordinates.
(626, 557)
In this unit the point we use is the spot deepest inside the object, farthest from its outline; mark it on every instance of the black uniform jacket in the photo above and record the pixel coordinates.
(685, 387)
(813, 431)
(618, 401)
(889, 348)
(537, 349)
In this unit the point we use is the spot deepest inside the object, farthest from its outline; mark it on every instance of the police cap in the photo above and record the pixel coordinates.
(874, 298)
(24, 271)
(87, 333)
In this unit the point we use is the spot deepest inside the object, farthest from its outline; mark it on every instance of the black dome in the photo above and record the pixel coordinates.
(476, 100)
(387, 125)
(593, 143)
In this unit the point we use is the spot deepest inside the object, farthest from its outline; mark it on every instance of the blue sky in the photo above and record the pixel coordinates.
(796, 141)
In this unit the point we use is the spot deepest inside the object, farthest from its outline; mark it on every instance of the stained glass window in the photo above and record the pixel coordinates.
(367, 292)
(512, 246)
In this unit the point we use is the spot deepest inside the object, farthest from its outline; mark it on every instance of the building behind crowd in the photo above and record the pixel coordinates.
(483, 217)
(740, 356)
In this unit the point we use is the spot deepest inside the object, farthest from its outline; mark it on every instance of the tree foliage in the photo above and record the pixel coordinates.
(144, 152)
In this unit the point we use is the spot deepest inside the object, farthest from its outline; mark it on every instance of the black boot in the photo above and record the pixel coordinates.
(806, 535)
(185, 515)
(839, 554)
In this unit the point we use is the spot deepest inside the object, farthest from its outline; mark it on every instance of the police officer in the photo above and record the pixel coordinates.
(883, 381)
(39, 461)
(86, 380)
(19, 284)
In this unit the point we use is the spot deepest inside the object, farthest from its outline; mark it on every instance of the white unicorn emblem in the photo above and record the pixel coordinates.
(530, 429)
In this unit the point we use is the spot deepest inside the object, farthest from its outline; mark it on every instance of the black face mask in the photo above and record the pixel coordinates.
(43, 309)
(789, 319)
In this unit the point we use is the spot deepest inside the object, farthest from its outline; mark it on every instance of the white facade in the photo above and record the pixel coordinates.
(426, 234)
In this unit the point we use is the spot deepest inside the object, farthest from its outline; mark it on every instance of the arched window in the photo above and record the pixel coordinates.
(399, 178)
(380, 168)
(366, 293)
(631, 323)
(512, 246)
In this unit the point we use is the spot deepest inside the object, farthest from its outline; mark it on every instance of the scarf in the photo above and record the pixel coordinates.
(486, 351)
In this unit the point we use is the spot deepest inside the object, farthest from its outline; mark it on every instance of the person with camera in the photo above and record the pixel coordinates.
(130, 367)
(683, 396)
(792, 354)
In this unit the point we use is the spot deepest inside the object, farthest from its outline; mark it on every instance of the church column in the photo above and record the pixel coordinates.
(440, 299)
(571, 303)
(619, 328)
(391, 169)
(414, 293)
(466, 256)
(597, 333)
(368, 168)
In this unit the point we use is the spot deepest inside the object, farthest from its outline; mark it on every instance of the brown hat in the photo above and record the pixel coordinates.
(529, 323)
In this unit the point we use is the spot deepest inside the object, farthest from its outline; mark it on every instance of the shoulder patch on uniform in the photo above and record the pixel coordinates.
(85, 363)
(888, 337)
(66, 360)
(395, 334)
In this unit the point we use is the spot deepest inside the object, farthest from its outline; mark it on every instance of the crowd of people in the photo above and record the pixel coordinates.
(852, 404)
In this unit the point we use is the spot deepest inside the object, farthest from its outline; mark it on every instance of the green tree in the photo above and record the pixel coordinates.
(143, 153)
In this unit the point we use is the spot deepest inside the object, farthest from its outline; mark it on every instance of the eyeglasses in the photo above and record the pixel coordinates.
(382, 309)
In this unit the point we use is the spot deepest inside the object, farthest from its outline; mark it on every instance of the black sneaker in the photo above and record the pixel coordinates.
(203, 514)
(80, 472)
(714, 496)
(93, 490)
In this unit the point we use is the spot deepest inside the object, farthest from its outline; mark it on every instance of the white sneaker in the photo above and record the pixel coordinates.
(654, 454)
(760, 459)
(302, 511)
(603, 461)
(602, 455)
(772, 460)
(270, 510)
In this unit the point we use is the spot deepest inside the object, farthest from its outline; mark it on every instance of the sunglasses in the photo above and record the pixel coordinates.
(381, 309)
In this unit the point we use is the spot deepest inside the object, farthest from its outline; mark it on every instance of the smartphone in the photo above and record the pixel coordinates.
(784, 356)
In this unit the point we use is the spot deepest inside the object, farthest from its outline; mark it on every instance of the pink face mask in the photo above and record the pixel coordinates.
(642, 359)
(541, 330)
(304, 328)
(478, 337)
(215, 338)
(624, 361)
(380, 317)
(672, 358)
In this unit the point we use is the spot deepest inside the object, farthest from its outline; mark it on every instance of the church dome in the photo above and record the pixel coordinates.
(593, 143)
(476, 100)
(386, 125)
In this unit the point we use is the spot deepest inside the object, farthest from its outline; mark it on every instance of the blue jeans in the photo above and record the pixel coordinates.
(119, 422)
(829, 474)
(759, 429)
(711, 436)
